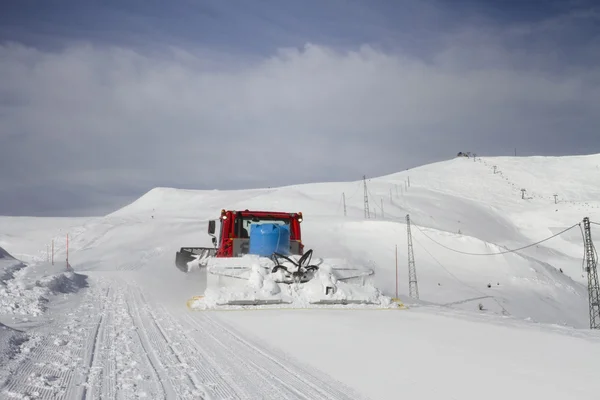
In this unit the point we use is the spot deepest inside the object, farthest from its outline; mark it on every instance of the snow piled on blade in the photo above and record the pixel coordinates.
(249, 281)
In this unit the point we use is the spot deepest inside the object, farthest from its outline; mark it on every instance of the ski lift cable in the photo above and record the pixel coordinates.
(386, 213)
(358, 186)
(445, 269)
(458, 280)
(498, 253)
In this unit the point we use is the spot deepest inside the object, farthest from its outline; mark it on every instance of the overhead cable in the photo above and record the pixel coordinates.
(498, 253)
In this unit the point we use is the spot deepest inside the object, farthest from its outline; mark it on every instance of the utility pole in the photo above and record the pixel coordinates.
(592, 273)
(396, 271)
(367, 213)
(382, 213)
(344, 200)
(413, 288)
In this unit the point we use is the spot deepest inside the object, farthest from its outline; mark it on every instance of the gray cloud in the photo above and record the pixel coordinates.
(87, 128)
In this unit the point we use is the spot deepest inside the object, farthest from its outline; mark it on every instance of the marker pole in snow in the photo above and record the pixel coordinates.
(367, 213)
(344, 200)
(396, 271)
(382, 213)
(52, 251)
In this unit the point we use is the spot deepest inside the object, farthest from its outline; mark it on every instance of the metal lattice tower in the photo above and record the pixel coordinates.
(413, 288)
(367, 212)
(592, 273)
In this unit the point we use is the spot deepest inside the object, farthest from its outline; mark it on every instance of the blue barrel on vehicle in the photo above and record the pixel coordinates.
(266, 239)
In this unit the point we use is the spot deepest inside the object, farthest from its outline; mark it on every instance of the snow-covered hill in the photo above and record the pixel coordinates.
(457, 206)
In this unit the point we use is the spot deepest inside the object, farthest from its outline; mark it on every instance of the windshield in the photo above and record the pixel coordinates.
(243, 229)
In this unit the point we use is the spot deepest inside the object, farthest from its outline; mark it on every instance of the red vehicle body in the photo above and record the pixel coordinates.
(235, 226)
(233, 238)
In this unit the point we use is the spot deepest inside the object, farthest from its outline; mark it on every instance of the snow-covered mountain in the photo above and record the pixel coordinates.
(475, 307)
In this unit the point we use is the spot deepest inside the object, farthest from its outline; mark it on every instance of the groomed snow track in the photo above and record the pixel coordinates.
(117, 345)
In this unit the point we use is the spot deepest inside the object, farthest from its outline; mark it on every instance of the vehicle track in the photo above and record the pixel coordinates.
(118, 345)
(92, 373)
(121, 367)
(53, 364)
(274, 368)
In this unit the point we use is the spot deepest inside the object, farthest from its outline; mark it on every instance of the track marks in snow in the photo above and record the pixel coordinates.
(51, 366)
(92, 352)
(274, 373)
(117, 345)
(189, 370)
(119, 366)
(197, 356)
(169, 361)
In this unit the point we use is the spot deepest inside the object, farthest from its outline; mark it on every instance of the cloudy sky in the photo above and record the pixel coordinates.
(102, 101)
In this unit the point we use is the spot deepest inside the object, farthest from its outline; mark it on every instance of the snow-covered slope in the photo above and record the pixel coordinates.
(457, 206)
(443, 199)
(30, 238)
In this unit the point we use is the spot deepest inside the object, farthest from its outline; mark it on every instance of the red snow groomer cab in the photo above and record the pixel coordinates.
(234, 239)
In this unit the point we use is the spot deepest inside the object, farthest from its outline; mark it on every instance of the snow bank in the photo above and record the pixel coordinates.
(26, 290)
(8, 265)
(10, 340)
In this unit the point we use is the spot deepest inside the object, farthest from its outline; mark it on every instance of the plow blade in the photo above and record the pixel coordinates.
(250, 302)
(254, 282)
(343, 302)
(188, 254)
